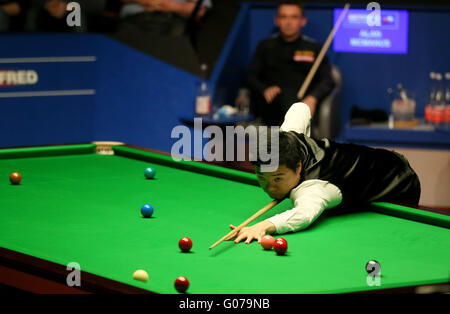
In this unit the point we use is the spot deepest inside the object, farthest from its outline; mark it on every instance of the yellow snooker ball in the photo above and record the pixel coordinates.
(140, 275)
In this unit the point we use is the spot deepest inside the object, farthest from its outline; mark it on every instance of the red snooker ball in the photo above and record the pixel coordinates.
(181, 284)
(280, 246)
(15, 178)
(267, 242)
(185, 244)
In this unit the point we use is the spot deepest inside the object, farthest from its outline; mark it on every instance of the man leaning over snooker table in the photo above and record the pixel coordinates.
(322, 174)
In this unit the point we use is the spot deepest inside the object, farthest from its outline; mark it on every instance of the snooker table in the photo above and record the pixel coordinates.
(76, 205)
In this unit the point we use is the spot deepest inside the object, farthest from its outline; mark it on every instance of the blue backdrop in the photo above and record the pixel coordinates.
(111, 92)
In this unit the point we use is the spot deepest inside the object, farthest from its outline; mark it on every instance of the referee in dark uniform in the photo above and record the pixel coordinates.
(281, 64)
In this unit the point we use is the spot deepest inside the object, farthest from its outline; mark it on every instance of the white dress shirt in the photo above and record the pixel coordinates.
(311, 197)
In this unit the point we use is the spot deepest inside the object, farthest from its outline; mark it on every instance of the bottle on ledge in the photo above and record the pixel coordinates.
(431, 96)
(447, 100)
(203, 96)
(439, 102)
(242, 102)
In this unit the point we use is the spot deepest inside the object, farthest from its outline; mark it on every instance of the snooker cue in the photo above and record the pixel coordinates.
(322, 52)
(249, 220)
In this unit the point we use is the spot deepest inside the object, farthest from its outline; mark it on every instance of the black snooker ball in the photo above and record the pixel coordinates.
(373, 266)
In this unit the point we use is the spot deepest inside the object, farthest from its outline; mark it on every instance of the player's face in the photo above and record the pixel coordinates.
(279, 182)
(290, 20)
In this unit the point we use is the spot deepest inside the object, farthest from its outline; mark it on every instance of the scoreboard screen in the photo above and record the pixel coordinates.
(366, 31)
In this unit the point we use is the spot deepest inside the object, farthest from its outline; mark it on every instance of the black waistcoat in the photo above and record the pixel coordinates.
(363, 174)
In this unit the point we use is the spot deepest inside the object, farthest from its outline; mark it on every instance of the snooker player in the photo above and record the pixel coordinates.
(322, 174)
(281, 64)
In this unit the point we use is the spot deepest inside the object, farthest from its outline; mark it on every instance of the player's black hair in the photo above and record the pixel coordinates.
(293, 2)
(290, 153)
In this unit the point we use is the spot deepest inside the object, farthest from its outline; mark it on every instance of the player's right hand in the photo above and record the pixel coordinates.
(270, 93)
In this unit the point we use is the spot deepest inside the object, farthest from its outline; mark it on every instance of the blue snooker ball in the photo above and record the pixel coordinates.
(149, 173)
(147, 210)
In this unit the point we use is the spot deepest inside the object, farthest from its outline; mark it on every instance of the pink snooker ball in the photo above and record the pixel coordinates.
(267, 242)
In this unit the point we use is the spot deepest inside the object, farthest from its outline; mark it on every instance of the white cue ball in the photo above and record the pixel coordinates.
(140, 275)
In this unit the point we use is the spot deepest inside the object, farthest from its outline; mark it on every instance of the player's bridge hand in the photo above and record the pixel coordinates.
(255, 232)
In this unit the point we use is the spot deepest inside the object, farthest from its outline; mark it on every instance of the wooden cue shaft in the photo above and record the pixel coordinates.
(322, 52)
(249, 220)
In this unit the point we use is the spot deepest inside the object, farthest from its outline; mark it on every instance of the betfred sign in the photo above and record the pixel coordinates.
(18, 77)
